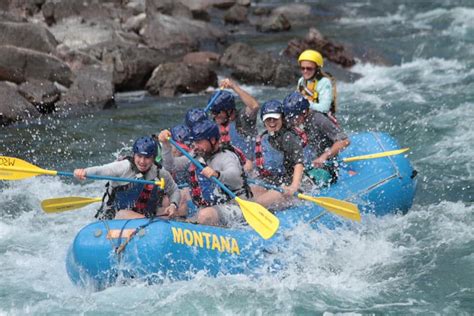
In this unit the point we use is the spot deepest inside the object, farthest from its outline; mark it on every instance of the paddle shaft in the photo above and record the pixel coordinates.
(201, 167)
(209, 105)
(118, 179)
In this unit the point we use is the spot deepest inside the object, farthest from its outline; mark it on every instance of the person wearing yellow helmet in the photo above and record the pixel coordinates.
(318, 87)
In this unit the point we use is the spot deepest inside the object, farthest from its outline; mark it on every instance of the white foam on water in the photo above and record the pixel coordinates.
(461, 21)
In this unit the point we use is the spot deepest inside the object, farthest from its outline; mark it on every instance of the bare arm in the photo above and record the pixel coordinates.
(251, 104)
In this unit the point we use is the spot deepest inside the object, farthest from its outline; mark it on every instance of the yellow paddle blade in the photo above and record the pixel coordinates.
(66, 203)
(377, 155)
(259, 218)
(17, 169)
(339, 207)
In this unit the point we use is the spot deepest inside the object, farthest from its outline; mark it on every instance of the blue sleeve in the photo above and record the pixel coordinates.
(325, 96)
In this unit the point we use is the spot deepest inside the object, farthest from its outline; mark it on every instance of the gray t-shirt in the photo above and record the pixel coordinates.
(123, 169)
(229, 167)
(291, 146)
(322, 132)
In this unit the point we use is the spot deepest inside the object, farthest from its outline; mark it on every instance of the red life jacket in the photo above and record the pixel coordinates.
(143, 198)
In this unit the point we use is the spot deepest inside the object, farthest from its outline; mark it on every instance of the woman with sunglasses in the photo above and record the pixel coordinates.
(318, 87)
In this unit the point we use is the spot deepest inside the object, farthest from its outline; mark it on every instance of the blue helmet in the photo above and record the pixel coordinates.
(194, 116)
(180, 133)
(224, 102)
(205, 130)
(271, 107)
(146, 146)
(294, 104)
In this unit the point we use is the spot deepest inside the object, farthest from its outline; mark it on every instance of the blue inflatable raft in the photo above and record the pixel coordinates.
(105, 252)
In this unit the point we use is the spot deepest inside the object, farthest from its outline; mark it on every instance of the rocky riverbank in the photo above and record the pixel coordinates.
(68, 56)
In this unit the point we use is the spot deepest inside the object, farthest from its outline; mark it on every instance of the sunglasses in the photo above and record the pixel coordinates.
(308, 68)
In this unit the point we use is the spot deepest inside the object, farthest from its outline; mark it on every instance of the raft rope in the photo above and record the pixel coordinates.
(121, 247)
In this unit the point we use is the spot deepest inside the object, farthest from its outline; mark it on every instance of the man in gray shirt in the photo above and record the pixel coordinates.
(132, 200)
(223, 163)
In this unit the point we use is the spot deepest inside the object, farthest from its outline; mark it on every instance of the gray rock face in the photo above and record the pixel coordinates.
(173, 78)
(236, 15)
(27, 35)
(252, 66)
(334, 52)
(274, 23)
(42, 94)
(178, 35)
(19, 64)
(14, 107)
(92, 89)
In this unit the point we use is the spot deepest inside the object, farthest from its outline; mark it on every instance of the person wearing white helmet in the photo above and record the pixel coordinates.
(318, 87)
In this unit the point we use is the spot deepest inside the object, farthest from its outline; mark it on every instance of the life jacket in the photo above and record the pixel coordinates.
(308, 88)
(230, 135)
(141, 198)
(269, 161)
(203, 190)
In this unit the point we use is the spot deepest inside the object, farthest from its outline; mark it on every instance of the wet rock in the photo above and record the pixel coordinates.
(14, 107)
(210, 59)
(179, 35)
(274, 23)
(135, 23)
(132, 65)
(167, 7)
(315, 40)
(171, 79)
(92, 89)
(43, 94)
(251, 66)
(27, 35)
(293, 12)
(236, 15)
(19, 64)
(10, 17)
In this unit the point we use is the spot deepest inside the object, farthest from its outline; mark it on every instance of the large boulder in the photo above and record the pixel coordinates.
(132, 64)
(315, 40)
(273, 23)
(27, 35)
(179, 35)
(55, 11)
(19, 64)
(43, 94)
(14, 107)
(251, 66)
(210, 59)
(236, 15)
(171, 79)
(92, 90)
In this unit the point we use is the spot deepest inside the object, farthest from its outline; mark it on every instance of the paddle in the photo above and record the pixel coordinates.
(211, 102)
(63, 204)
(376, 155)
(258, 217)
(17, 169)
(339, 207)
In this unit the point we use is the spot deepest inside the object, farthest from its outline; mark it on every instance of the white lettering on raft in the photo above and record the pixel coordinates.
(205, 240)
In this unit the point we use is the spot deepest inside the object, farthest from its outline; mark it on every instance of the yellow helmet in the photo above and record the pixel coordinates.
(311, 55)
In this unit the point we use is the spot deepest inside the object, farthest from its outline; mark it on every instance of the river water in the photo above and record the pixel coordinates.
(422, 262)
